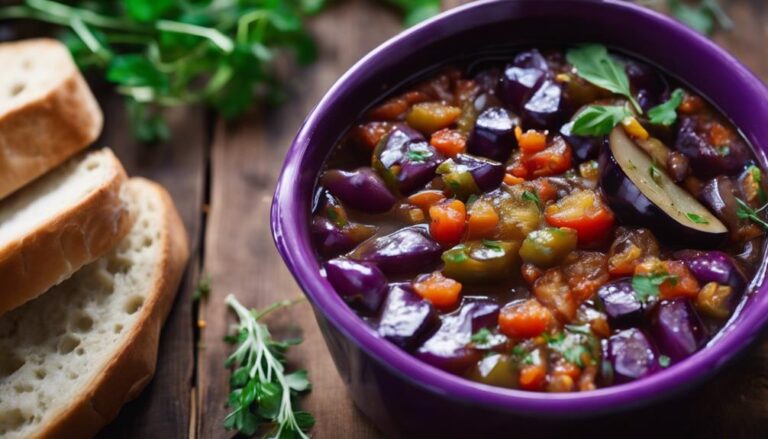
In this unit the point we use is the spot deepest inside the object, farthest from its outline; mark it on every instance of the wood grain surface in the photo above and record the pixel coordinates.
(232, 169)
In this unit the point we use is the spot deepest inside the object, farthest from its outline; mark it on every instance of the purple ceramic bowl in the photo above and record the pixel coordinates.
(404, 396)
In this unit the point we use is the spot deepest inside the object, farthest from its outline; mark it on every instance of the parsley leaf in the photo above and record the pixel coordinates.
(455, 255)
(757, 178)
(598, 120)
(494, 245)
(666, 114)
(664, 361)
(698, 219)
(655, 173)
(533, 198)
(481, 336)
(594, 64)
(746, 212)
(418, 155)
(262, 392)
(647, 286)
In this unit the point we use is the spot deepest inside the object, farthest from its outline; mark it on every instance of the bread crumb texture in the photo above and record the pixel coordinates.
(54, 346)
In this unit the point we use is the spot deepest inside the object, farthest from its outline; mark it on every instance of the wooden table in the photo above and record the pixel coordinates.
(222, 177)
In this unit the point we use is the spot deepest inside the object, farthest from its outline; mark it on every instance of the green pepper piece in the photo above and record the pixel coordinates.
(548, 247)
(481, 261)
(458, 179)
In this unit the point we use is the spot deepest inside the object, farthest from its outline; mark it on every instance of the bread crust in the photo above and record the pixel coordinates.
(32, 264)
(133, 365)
(42, 132)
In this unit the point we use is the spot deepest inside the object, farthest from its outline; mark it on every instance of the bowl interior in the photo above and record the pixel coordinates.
(468, 31)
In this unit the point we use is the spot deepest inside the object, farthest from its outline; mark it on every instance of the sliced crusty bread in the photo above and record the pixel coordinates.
(47, 111)
(71, 358)
(62, 221)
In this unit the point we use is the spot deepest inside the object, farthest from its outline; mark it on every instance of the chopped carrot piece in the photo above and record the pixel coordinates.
(532, 141)
(634, 129)
(482, 220)
(414, 97)
(448, 221)
(368, 135)
(511, 180)
(719, 135)
(532, 377)
(392, 109)
(426, 198)
(449, 142)
(524, 319)
(439, 290)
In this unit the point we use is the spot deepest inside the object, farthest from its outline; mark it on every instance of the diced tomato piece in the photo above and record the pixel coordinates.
(691, 104)
(448, 221)
(583, 211)
(719, 135)
(552, 290)
(545, 189)
(553, 160)
(680, 281)
(516, 166)
(442, 292)
(426, 198)
(524, 319)
(586, 272)
(533, 377)
(531, 141)
(449, 142)
(482, 220)
(369, 134)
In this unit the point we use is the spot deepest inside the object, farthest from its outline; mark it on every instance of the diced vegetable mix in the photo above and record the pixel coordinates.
(564, 221)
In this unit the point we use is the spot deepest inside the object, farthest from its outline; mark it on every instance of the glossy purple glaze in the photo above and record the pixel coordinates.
(404, 396)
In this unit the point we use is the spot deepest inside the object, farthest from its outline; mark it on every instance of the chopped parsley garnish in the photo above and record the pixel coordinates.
(418, 155)
(666, 114)
(533, 198)
(757, 178)
(481, 337)
(746, 212)
(572, 347)
(495, 245)
(723, 150)
(698, 219)
(647, 286)
(455, 255)
(664, 361)
(594, 64)
(472, 198)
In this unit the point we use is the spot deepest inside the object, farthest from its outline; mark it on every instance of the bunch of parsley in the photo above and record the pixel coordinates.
(165, 53)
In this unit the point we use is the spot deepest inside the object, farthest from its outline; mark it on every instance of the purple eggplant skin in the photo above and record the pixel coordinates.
(406, 251)
(584, 147)
(361, 284)
(719, 196)
(361, 189)
(494, 134)
(546, 107)
(620, 303)
(447, 349)
(521, 77)
(707, 160)
(648, 85)
(677, 329)
(488, 174)
(406, 319)
(713, 266)
(329, 238)
(633, 208)
(631, 356)
(407, 149)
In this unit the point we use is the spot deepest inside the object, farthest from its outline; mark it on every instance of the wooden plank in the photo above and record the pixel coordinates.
(163, 408)
(240, 255)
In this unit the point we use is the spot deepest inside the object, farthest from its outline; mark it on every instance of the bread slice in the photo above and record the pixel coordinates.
(71, 358)
(62, 221)
(47, 111)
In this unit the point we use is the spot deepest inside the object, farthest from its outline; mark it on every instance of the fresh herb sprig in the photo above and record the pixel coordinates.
(599, 120)
(263, 394)
(666, 113)
(595, 65)
(744, 211)
(176, 52)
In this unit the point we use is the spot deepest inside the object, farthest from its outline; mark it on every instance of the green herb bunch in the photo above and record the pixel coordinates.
(166, 53)
(263, 395)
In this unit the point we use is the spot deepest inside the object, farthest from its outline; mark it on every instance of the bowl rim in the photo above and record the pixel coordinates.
(300, 259)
